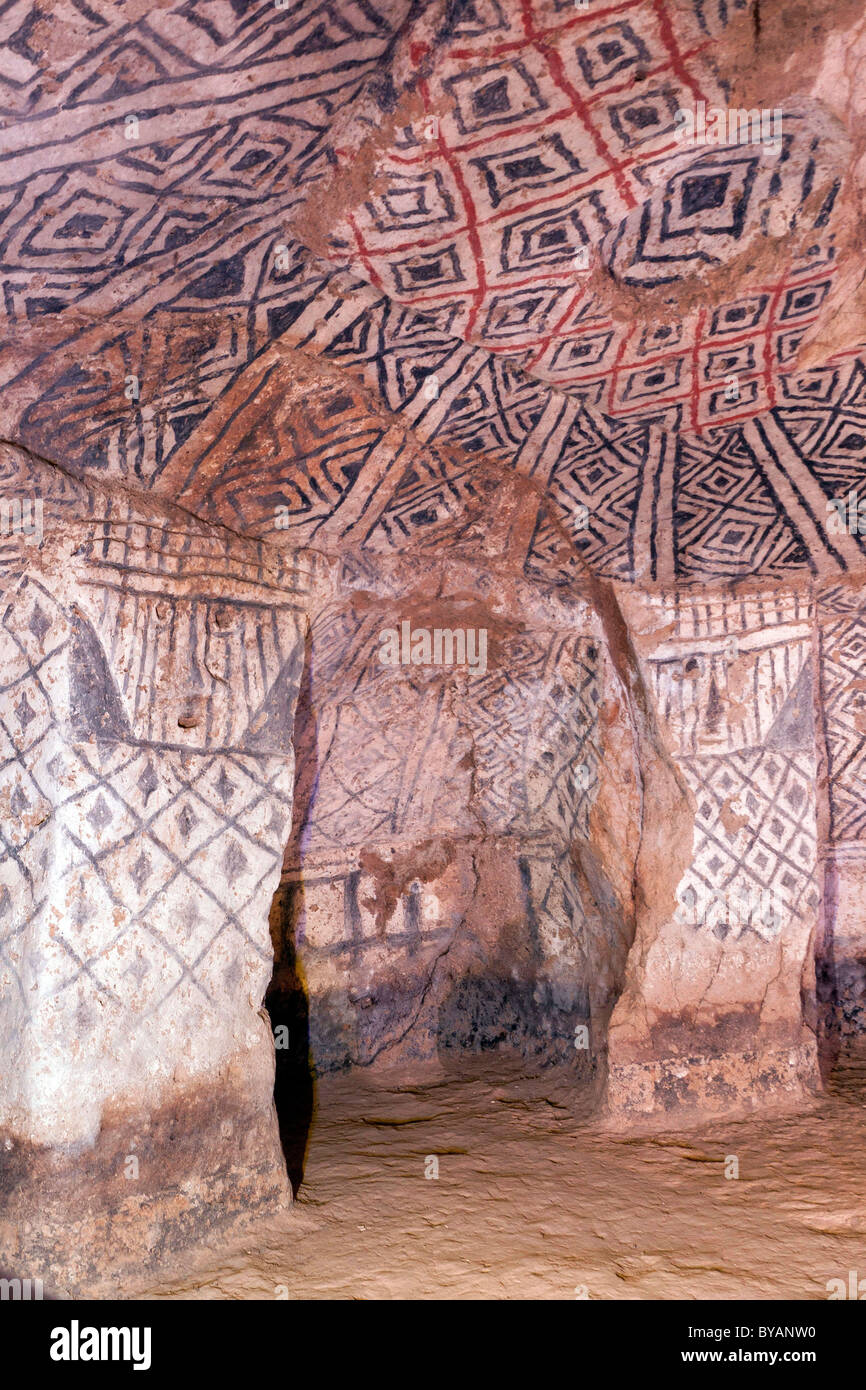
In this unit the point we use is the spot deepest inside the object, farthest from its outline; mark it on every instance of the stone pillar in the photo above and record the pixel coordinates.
(712, 1016)
(842, 954)
(150, 670)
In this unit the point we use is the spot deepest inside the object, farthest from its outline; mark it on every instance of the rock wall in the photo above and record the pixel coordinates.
(434, 880)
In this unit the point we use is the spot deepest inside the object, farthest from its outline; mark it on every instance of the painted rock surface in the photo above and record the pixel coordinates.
(433, 565)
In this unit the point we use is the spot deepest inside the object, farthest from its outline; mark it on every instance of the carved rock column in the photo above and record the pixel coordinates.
(151, 665)
(842, 954)
(718, 1012)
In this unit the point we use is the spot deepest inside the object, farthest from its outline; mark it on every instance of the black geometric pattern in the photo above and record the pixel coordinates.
(761, 879)
(750, 765)
(145, 757)
(843, 652)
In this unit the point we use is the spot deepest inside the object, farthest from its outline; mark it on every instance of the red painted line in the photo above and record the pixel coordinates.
(504, 350)
(841, 355)
(754, 335)
(486, 141)
(660, 360)
(792, 281)
(477, 296)
(769, 355)
(513, 45)
(501, 215)
(620, 353)
(641, 407)
(720, 420)
(627, 85)
(545, 343)
(557, 72)
(694, 394)
(670, 41)
(393, 248)
(560, 195)
(563, 115)
(453, 294)
(362, 254)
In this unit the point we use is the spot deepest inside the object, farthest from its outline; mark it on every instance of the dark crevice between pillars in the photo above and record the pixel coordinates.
(287, 998)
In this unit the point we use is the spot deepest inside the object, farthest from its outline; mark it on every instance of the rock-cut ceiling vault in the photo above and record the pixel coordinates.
(303, 267)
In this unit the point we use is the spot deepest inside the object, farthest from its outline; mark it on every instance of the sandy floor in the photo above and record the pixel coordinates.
(533, 1201)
